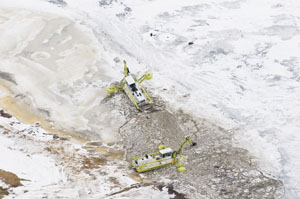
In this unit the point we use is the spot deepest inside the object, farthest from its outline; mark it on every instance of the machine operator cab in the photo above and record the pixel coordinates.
(165, 153)
(135, 90)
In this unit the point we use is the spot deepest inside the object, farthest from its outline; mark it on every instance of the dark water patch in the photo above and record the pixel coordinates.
(171, 191)
(45, 112)
(8, 77)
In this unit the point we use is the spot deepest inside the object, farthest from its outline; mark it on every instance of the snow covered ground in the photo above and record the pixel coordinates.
(51, 167)
(235, 63)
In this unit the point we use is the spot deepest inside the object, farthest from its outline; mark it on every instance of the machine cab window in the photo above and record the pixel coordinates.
(165, 153)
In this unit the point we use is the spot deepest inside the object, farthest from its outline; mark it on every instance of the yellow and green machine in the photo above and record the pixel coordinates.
(164, 157)
(133, 88)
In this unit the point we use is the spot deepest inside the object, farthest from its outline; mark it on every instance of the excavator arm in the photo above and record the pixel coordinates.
(126, 69)
(183, 143)
(113, 88)
(147, 76)
(187, 139)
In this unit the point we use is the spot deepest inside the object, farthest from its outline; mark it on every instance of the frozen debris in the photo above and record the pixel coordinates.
(58, 2)
(117, 59)
(106, 2)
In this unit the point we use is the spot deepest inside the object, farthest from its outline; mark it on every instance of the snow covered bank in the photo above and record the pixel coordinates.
(51, 167)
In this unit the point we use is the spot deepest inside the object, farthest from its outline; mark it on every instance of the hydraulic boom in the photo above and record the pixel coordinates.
(187, 139)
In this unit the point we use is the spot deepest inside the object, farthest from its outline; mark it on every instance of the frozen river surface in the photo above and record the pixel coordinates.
(236, 63)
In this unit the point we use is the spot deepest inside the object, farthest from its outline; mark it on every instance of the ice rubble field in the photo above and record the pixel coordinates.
(233, 62)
